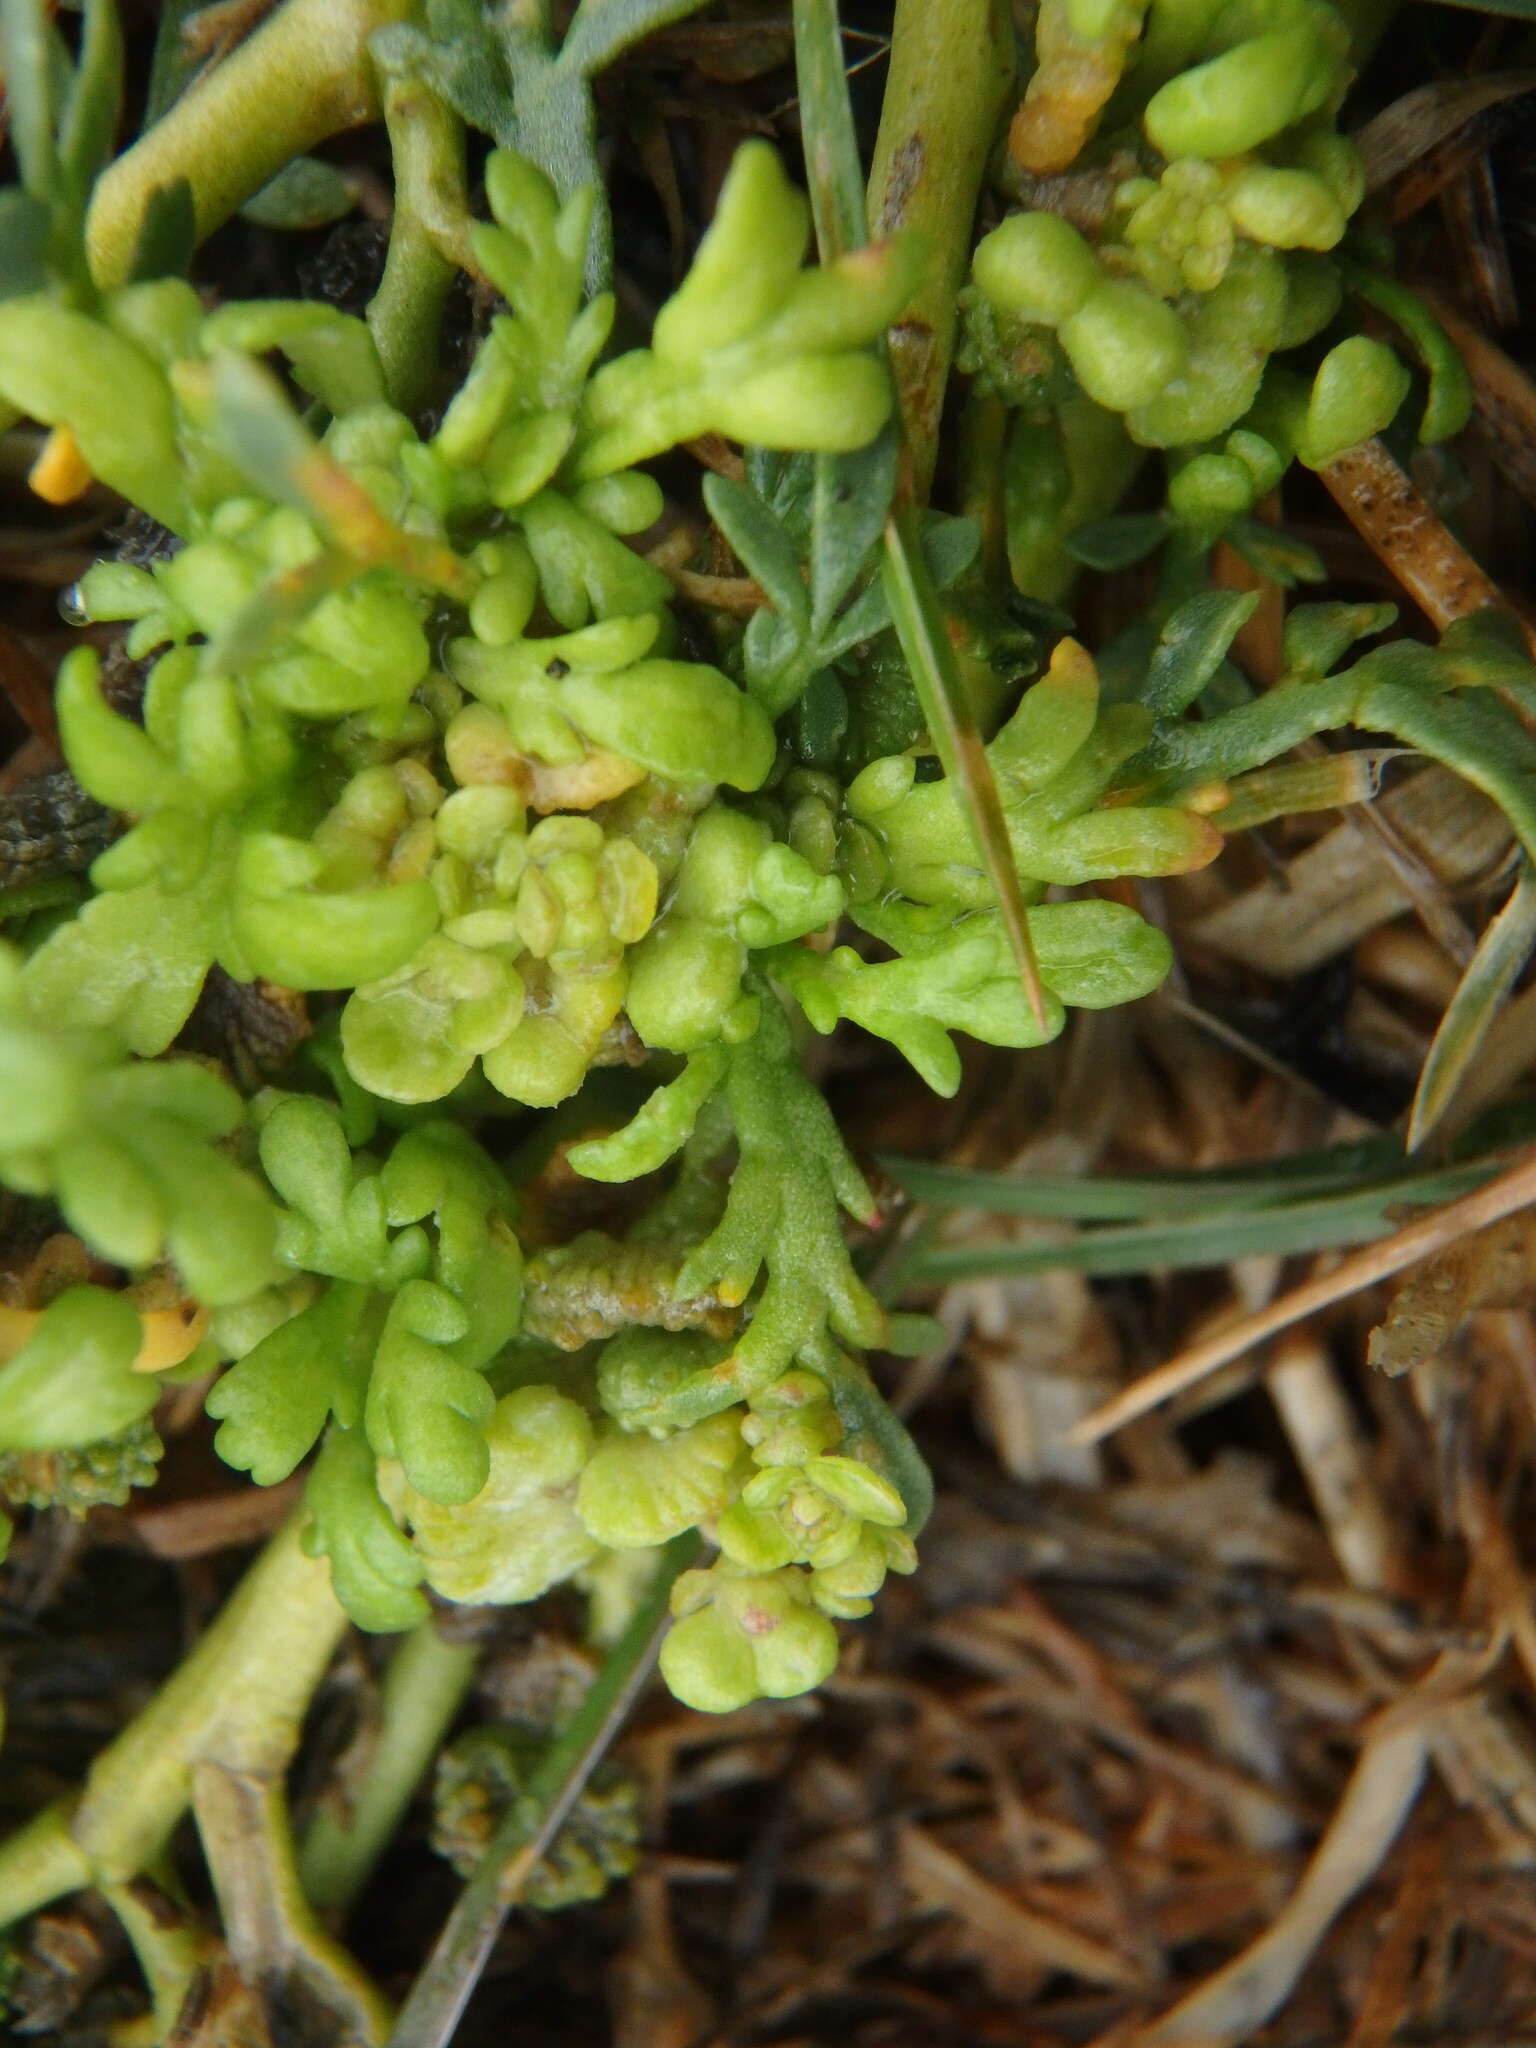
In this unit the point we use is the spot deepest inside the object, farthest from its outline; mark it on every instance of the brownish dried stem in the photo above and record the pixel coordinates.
(1389, 511)
(1386, 2002)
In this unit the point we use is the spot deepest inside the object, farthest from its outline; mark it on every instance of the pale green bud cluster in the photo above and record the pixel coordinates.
(1181, 227)
(807, 1506)
(1174, 328)
(484, 1776)
(525, 971)
(1162, 326)
(806, 1531)
(100, 1474)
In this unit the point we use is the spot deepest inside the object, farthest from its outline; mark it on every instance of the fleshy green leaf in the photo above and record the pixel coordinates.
(373, 1568)
(1192, 646)
(1118, 542)
(73, 1381)
(306, 194)
(272, 1405)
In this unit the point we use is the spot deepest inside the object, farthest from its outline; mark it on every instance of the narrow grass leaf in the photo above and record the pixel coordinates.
(27, 44)
(430, 2016)
(94, 104)
(1491, 973)
(1209, 1240)
(838, 208)
(1141, 1197)
(826, 124)
(952, 722)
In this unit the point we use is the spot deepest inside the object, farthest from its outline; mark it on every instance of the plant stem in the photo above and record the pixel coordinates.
(557, 123)
(41, 1861)
(168, 1950)
(273, 1935)
(983, 440)
(303, 76)
(237, 1699)
(431, 2013)
(431, 219)
(951, 79)
(423, 1689)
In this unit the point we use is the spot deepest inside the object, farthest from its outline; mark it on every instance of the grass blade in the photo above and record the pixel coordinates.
(1501, 953)
(430, 2016)
(1142, 1198)
(826, 120)
(837, 206)
(1424, 1238)
(920, 628)
(1355, 1217)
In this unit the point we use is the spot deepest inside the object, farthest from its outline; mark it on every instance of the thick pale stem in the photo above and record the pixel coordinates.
(303, 76)
(237, 1700)
(423, 1689)
(429, 232)
(169, 1949)
(40, 1862)
(270, 1926)
(951, 80)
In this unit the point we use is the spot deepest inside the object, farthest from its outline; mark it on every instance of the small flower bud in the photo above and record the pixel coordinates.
(1124, 345)
(1357, 390)
(1036, 267)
